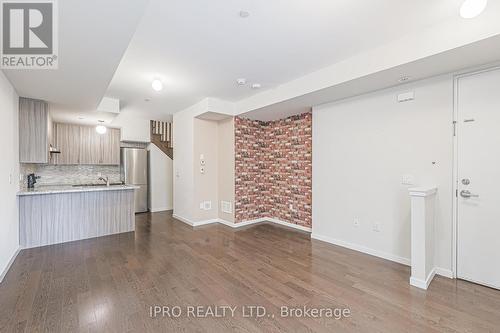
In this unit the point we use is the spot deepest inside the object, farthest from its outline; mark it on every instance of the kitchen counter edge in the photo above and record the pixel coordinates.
(74, 189)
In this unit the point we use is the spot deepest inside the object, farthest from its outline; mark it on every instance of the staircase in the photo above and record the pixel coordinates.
(161, 136)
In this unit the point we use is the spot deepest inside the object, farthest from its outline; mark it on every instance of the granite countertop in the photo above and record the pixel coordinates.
(54, 189)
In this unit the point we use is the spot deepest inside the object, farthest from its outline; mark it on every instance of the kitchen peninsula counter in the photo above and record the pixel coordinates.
(57, 214)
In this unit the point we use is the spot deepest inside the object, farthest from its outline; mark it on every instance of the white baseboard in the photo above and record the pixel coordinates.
(194, 223)
(237, 225)
(364, 249)
(240, 224)
(444, 272)
(289, 225)
(160, 209)
(419, 283)
(9, 264)
(267, 219)
(183, 219)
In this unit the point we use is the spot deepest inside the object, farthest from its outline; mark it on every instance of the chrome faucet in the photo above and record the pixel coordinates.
(106, 180)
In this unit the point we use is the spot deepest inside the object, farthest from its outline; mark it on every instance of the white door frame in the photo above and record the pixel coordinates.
(456, 77)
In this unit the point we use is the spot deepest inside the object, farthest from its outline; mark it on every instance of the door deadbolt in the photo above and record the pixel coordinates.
(465, 181)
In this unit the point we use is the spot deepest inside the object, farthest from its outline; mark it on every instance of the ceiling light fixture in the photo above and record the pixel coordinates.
(157, 85)
(472, 8)
(244, 14)
(256, 86)
(241, 81)
(101, 129)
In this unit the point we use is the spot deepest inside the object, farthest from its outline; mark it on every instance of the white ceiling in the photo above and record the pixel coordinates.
(93, 35)
(200, 48)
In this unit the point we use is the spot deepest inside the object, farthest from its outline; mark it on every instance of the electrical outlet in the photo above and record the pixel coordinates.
(356, 223)
(376, 227)
(207, 205)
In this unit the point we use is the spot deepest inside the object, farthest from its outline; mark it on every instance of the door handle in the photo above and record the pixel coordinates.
(467, 194)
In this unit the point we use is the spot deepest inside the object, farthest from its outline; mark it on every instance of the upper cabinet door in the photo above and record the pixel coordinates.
(90, 146)
(67, 138)
(110, 147)
(83, 145)
(33, 131)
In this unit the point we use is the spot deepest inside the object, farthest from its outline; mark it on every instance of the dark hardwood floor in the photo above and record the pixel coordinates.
(108, 284)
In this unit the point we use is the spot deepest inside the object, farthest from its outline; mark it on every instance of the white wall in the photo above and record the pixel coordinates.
(9, 174)
(183, 136)
(134, 124)
(160, 180)
(193, 137)
(362, 148)
(205, 184)
(226, 166)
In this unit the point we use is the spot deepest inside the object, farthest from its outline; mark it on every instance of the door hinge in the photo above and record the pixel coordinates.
(456, 193)
(454, 128)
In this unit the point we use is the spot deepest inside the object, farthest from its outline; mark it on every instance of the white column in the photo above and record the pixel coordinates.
(422, 235)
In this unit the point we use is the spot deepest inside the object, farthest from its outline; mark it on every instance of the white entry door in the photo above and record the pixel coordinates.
(478, 134)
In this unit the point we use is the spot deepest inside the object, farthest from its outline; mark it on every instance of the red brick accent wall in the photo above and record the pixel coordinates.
(274, 169)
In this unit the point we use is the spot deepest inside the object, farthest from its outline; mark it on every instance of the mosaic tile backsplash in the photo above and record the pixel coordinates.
(69, 174)
(274, 169)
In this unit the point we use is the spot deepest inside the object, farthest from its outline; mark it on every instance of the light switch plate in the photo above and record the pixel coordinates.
(408, 180)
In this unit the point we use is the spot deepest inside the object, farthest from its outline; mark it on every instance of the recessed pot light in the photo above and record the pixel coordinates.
(256, 86)
(472, 8)
(244, 14)
(241, 81)
(157, 85)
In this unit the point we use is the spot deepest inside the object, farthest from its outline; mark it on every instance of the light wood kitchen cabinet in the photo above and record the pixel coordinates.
(34, 122)
(110, 147)
(83, 145)
(67, 138)
(90, 146)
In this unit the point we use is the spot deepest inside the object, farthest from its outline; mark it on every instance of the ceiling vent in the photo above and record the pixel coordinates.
(111, 105)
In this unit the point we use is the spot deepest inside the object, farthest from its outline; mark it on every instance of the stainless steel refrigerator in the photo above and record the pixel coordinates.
(134, 171)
